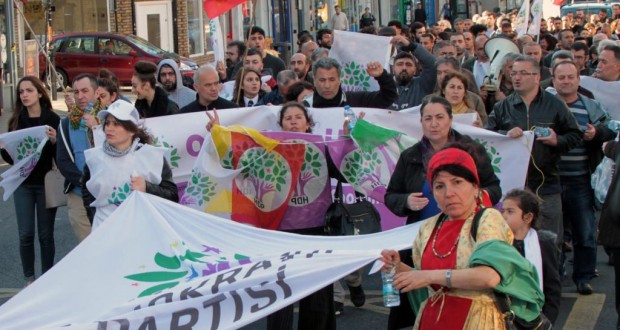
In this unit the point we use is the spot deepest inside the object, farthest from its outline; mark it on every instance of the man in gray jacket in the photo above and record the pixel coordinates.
(412, 89)
(169, 76)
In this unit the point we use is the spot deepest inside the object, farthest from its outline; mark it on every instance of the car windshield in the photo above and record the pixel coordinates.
(145, 45)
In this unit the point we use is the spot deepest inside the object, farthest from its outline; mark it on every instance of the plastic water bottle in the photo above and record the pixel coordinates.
(614, 125)
(349, 114)
(391, 296)
(89, 109)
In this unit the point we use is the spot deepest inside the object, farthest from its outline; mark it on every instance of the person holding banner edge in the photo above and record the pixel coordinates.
(316, 311)
(409, 193)
(34, 108)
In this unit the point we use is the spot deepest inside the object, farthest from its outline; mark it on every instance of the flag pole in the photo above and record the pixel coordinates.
(247, 47)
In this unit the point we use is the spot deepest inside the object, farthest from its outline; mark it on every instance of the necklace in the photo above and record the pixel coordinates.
(438, 255)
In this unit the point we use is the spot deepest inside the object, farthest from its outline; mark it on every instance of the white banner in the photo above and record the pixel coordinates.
(605, 92)
(217, 41)
(354, 50)
(191, 270)
(510, 157)
(523, 19)
(25, 147)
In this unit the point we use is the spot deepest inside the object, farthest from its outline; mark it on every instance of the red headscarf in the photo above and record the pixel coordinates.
(452, 156)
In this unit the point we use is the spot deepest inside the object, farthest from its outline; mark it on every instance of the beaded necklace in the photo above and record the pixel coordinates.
(437, 229)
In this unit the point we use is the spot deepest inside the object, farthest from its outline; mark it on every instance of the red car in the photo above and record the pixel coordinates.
(77, 53)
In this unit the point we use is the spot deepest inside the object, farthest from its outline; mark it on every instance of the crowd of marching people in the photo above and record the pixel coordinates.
(468, 255)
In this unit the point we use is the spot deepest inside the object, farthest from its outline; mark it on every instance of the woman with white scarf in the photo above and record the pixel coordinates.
(126, 162)
(521, 209)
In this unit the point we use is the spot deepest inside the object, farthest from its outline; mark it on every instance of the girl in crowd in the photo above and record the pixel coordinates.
(460, 268)
(126, 162)
(520, 210)
(316, 311)
(454, 89)
(34, 108)
(298, 91)
(152, 100)
(248, 81)
(409, 193)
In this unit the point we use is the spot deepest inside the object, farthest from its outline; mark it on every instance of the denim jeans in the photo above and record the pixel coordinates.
(28, 199)
(578, 210)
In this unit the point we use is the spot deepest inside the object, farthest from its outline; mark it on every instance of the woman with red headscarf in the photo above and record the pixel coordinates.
(461, 268)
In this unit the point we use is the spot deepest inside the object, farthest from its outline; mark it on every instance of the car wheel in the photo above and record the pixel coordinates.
(61, 80)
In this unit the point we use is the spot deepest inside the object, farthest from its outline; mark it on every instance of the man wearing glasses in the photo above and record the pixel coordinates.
(529, 108)
(207, 85)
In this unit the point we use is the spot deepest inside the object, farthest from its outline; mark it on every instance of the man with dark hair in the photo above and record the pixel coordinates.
(396, 25)
(412, 89)
(506, 28)
(534, 50)
(234, 54)
(458, 41)
(530, 107)
(339, 20)
(327, 77)
(70, 149)
(434, 29)
(576, 167)
(324, 38)
(581, 52)
(566, 38)
(301, 65)
(478, 29)
(608, 68)
(615, 11)
(428, 41)
(170, 78)
(256, 39)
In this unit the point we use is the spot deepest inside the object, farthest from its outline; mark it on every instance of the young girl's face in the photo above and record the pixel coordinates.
(513, 214)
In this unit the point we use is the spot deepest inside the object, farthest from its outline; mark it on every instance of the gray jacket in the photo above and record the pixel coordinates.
(412, 94)
(182, 95)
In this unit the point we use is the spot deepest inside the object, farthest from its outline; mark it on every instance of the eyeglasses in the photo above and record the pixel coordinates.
(522, 73)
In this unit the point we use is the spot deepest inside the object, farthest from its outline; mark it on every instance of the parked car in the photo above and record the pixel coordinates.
(588, 7)
(77, 53)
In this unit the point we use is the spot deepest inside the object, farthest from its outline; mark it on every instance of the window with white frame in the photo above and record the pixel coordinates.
(198, 29)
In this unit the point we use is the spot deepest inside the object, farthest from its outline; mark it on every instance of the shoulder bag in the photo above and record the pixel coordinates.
(54, 188)
(359, 218)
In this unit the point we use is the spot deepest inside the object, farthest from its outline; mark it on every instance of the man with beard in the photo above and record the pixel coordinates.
(412, 89)
(301, 66)
(324, 38)
(234, 54)
(169, 76)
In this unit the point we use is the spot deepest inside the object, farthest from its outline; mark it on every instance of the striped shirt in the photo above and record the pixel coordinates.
(574, 166)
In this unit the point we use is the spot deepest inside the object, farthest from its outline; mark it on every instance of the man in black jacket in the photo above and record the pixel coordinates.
(412, 89)
(207, 84)
(329, 93)
(530, 107)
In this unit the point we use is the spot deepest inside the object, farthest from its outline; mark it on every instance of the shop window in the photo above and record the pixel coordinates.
(198, 29)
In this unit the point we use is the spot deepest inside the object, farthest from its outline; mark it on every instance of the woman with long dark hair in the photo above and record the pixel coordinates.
(248, 92)
(34, 108)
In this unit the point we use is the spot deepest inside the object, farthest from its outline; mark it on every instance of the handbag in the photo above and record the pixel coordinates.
(54, 188)
(502, 300)
(601, 178)
(359, 218)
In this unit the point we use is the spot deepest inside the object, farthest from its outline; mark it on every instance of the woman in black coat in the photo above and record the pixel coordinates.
(408, 193)
(34, 108)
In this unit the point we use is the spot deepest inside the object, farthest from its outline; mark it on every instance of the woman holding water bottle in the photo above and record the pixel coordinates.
(125, 162)
(460, 267)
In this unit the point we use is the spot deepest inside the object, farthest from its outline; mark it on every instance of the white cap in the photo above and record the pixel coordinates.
(121, 110)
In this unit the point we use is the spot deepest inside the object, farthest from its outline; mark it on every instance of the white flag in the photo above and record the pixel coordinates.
(354, 50)
(536, 9)
(523, 19)
(25, 147)
(217, 41)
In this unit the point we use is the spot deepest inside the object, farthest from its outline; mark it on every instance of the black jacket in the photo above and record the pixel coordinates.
(161, 105)
(546, 110)
(410, 174)
(383, 98)
(218, 104)
(552, 285)
(166, 189)
(50, 118)
(412, 94)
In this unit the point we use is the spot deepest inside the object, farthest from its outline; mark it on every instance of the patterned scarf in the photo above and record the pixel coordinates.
(111, 151)
(76, 114)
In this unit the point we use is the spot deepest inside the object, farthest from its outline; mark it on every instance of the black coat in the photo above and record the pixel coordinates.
(161, 105)
(218, 104)
(410, 174)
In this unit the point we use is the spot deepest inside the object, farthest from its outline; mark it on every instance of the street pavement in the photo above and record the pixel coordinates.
(577, 312)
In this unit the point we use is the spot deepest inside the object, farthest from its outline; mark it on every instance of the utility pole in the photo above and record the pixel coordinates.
(49, 48)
